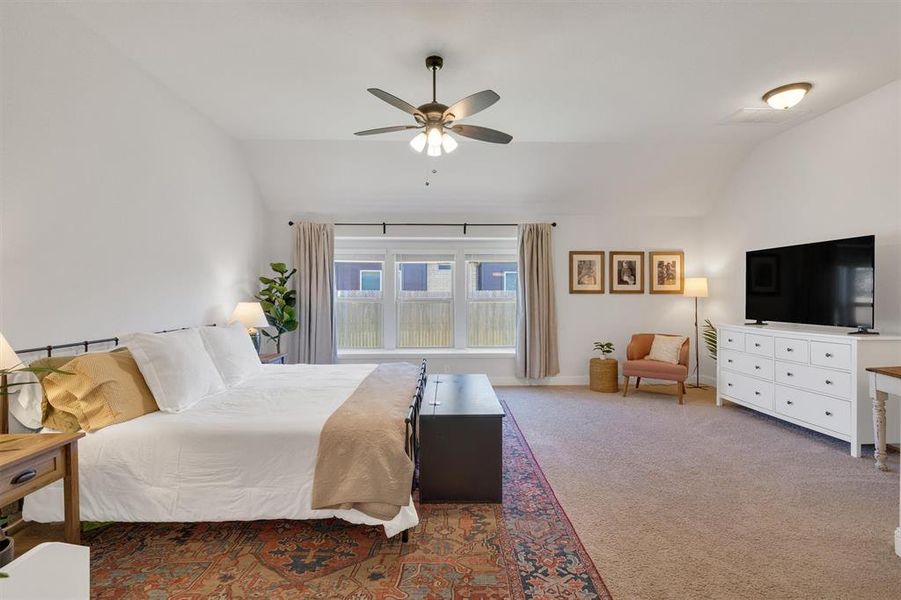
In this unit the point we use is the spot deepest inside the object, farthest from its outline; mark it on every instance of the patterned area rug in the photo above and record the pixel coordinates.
(524, 549)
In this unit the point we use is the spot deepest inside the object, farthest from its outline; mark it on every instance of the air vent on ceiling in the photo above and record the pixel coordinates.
(753, 116)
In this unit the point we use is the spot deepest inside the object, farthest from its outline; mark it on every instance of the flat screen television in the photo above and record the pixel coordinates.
(824, 283)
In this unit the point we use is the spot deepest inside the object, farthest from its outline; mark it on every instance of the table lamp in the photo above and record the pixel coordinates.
(251, 316)
(8, 362)
(696, 287)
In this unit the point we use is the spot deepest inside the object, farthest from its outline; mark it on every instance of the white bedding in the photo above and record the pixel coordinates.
(243, 454)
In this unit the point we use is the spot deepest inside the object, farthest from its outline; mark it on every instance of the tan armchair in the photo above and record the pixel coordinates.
(636, 365)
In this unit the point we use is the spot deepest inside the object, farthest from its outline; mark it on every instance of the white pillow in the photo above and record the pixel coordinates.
(176, 366)
(232, 352)
(666, 348)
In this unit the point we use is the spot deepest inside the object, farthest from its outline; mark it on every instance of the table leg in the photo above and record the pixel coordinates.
(70, 495)
(879, 398)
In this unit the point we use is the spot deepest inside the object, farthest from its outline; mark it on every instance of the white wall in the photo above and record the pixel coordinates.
(582, 318)
(838, 175)
(122, 207)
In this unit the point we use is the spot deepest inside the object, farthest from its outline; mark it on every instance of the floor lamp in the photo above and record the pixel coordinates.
(696, 287)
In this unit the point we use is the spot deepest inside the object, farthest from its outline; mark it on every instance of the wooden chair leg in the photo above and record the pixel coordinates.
(681, 388)
(625, 385)
(637, 382)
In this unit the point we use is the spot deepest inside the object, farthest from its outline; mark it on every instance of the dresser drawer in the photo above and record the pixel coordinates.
(822, 411)
(824, 381)
(749, 364)
(791, 349)
(34, 474)
(827, 354)
(733, 340)
(747, 389)
(761, 345)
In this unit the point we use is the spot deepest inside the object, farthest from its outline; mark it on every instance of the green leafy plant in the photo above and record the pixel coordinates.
(604, 348)
(710, 338)
(278, 302)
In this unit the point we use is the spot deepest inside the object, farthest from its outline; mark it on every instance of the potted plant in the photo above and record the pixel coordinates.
(278, 303)
(710, 338)
(604, 348)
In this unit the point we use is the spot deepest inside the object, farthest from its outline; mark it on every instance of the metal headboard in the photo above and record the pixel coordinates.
(411, 443)
(49, 349)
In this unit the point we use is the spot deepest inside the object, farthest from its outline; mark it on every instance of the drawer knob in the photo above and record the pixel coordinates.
(730, 339)
(828, 414)
(789, 349)
(828, 382)
(828, 355)
(756, 393)
(756, 345)
(26, 475)
(787, 374)
(729, 360)
(789, 402)
(729, 384)
(756, 367)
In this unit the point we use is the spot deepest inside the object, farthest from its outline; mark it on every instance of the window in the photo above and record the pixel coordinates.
(491, 302)
(425, 303)
(411, 293)
(359, 304)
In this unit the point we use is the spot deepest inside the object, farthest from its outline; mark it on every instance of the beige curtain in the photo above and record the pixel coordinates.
(536, 312)
(314, 257)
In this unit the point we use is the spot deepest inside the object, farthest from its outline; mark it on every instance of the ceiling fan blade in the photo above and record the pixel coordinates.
(395, 101)
(483, 134)
(387, 129)
(470, 105)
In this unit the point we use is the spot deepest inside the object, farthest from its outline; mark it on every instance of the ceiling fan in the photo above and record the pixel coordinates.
(438, 120)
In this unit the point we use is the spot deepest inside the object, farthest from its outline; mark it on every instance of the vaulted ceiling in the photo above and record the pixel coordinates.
(611, 105)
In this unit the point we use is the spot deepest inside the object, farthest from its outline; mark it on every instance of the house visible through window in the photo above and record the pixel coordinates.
(359, 304)
(425, 293)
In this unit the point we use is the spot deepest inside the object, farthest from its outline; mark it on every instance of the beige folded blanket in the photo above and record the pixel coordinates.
(361, 462)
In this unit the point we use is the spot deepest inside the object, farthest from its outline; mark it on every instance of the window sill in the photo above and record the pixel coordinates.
(429, 353)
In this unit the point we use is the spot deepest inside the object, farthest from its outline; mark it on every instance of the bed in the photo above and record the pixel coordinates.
(246, 453)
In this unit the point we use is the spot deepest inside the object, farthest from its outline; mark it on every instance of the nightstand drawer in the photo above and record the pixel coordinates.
(32, 475)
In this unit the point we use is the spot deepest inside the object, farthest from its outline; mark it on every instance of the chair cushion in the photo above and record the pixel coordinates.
(655, 369)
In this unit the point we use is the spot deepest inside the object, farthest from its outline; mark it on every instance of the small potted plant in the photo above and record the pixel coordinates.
(602, 370)
(604, 348)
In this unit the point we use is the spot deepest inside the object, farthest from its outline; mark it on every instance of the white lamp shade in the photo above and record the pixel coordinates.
(696, 287)
(8, 358)
(250, 315)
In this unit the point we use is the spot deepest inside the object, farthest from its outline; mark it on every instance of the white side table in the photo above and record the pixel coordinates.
(70, 566)
(884, 381)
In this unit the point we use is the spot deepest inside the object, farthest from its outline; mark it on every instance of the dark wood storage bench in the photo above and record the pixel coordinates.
(461, 450)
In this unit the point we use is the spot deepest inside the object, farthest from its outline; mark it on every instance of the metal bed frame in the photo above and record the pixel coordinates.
(411, 422)
(411, 435)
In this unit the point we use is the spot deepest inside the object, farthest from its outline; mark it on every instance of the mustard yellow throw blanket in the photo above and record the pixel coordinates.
(361, 462)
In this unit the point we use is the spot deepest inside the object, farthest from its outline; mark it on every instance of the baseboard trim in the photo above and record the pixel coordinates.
(573, 380)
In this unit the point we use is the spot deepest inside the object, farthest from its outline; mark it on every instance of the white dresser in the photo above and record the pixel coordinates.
(807, 376)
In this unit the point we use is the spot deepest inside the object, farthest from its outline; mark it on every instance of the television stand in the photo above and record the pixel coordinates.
(863, 331)
(757, 323)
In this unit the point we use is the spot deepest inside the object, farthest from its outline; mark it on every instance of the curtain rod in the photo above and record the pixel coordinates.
(385, 226)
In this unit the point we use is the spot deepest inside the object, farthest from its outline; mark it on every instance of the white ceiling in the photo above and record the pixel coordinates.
(607, 102)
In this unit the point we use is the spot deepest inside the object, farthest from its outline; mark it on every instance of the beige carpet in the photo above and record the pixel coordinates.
(696, 501)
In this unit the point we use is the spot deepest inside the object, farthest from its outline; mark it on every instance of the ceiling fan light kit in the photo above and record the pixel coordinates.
(437, 121)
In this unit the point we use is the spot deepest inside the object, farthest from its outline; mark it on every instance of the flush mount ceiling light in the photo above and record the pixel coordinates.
(786, 96)
(436, 121)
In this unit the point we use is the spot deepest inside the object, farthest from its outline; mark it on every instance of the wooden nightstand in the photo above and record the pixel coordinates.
(28, 462)
(274, 358)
